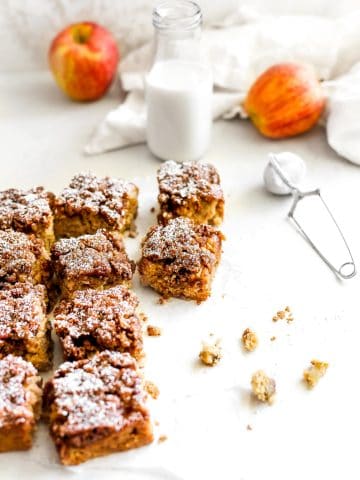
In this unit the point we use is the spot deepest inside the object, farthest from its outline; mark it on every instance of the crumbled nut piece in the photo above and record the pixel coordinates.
(272, 338)
(249, 340)
(162, 438)
(210, 354)
(153, 331)
(313, 374)
(249, 427)
(285, 314)
(152, 389)
(152, 210)
(263, 387)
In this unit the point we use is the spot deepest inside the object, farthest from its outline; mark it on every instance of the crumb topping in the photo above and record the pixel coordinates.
(22, 308)
(180, 181)
(152, 389)
(263, 387)
(21, 209)
(106, 317)
(285, 314)
(18, 253)
(103, 393)
(313, 374)
(100, 254)
(181, 244)
(153, 331)
(249, 340)
(101, 196)
(211, 354)
(14, 398)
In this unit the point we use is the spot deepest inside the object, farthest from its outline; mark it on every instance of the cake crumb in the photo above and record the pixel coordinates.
(313, 374)
(152, 389)
(156, 423)
(249, 340)
(152, 210)
(153, 331)
(143, 317)
(162, 438)
(263, 387)
(272, 338)
(162, 300)
(285, 314)
(249, 427)
(133, 233)
(210, 354)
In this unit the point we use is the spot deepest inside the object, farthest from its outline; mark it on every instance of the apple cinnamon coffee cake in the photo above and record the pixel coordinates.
(28, 211)
(23, 258)
(20, 403)
(179, 259)
(25, 330)
(97, 407)
(90, 203)
(93, 320)
(91, 261)
(192, 190)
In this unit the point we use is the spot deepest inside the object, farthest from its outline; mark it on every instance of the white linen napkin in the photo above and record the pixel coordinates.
(239, 49)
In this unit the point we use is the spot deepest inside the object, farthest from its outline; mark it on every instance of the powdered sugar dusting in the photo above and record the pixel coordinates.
(104, 196)
(21, 209)
(22, 310)
(106, 319)
(180, 181)
(181, 243)
(18, 253)
(103, 393)
(100, 254)
(14, 404)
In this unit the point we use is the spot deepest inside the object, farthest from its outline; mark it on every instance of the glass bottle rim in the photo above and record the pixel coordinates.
(178, 15)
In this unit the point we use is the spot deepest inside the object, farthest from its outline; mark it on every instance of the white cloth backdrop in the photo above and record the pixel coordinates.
(27, 26)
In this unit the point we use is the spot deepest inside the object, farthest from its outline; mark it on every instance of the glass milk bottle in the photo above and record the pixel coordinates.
(179, 85)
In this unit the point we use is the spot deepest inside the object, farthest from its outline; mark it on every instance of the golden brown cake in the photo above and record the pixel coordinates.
(23, 258)
(90, 203)
(20, 403)
(93, 320)
(91, 261)
(25, 330)
(179, 259)
(28, 211)
(97, 407)
(191, 190)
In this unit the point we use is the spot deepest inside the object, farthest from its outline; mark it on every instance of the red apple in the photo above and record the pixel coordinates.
(286, 100)
(83, 59)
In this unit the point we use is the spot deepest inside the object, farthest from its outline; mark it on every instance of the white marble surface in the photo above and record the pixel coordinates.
(266, 265)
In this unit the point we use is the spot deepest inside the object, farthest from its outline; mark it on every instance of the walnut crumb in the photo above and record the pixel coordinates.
(285, 314)
(313, 374)
(210, 354)
(152, 389)
(153, 331)
(162, 438)
(272, 338)
(249, 340)
(152, 210)
(263, 387)
(249, 427)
